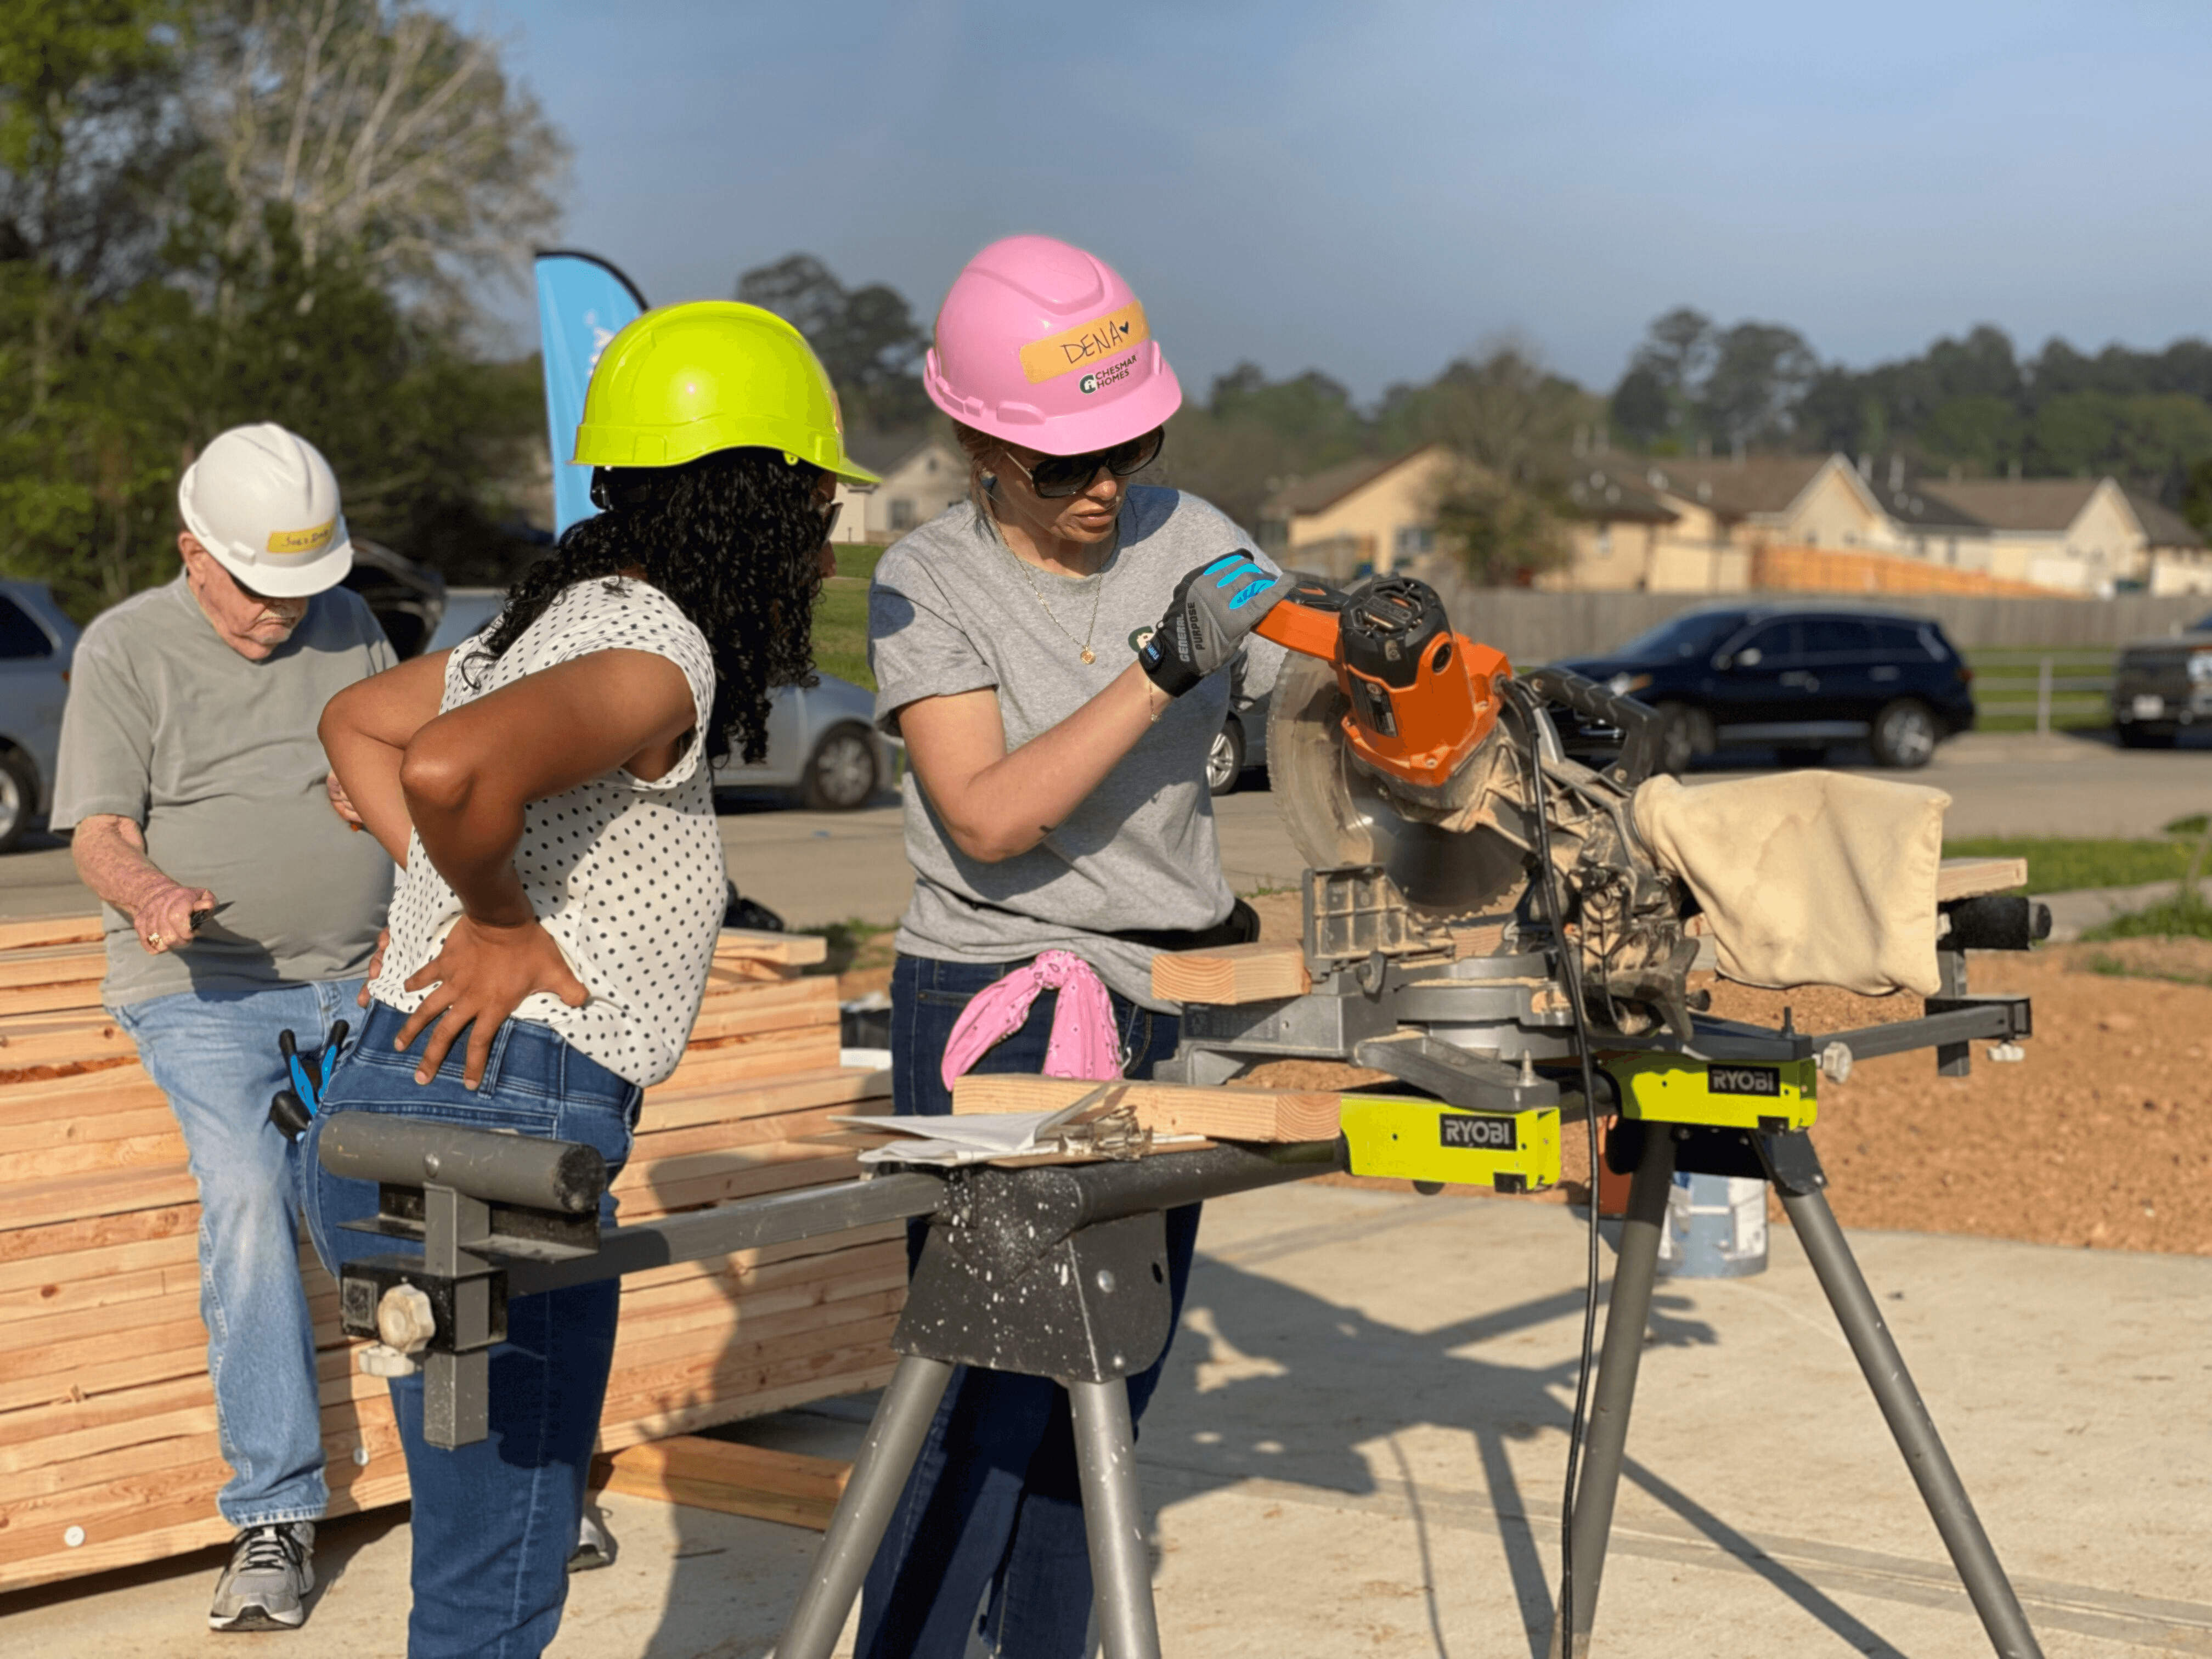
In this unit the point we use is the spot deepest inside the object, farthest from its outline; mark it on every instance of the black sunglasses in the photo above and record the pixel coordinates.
(1056, 476)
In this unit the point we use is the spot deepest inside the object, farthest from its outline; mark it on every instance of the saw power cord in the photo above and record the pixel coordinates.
(1538, 723)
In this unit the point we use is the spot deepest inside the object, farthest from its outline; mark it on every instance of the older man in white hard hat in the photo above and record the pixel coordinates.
(239, 904)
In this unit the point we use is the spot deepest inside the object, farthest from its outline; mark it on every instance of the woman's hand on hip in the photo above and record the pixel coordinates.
(480, 975)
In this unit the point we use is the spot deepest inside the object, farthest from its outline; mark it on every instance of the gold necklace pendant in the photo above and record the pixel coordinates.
(1082, 646)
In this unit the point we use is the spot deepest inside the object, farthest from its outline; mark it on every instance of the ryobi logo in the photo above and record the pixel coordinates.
(1478, 1135)
(1762, 1080)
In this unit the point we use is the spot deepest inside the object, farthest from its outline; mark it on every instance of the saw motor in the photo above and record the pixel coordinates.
(1397, 743)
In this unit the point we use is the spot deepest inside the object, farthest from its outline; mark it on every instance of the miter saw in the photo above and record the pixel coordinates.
(1483, 921)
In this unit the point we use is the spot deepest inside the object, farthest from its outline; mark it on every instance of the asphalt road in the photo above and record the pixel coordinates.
(814, 868)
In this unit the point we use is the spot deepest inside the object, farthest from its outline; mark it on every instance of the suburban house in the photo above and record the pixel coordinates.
(1673, 524)
(1372, 513)
(2081, 535)
(922, 477)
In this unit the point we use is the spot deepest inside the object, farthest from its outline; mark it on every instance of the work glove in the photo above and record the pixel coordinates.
(1214, 607)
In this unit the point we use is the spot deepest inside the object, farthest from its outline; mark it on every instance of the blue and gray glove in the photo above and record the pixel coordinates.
(1214, 607)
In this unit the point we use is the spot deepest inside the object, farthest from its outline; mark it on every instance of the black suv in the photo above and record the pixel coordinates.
(1796, 678)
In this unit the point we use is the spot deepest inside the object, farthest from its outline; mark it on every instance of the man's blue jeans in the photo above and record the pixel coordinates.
(214, 1054)
(494, 1523)
(995, 1501)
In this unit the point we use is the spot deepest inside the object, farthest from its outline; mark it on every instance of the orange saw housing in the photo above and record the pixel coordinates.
(1422, 697)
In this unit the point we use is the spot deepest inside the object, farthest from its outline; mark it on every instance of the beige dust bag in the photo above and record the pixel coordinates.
(1808, 877)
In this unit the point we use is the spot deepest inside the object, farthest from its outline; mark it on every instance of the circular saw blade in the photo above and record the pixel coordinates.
(1339, 815)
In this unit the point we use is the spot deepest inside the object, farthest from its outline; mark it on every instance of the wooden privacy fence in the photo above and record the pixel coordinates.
(107, 1439)
(1532, 626)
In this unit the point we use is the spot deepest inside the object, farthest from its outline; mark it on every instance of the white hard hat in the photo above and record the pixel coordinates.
(265, 503)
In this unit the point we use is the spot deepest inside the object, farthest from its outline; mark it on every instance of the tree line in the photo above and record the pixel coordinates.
(1972, 404)
(214, 211)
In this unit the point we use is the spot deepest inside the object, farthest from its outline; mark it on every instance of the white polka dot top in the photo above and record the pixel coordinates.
(626, 875)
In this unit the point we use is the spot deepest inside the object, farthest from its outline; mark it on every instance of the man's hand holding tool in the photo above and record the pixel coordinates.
(167, 918)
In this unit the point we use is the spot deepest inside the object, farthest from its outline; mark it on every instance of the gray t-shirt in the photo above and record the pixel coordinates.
(217, 758)
(952, 611)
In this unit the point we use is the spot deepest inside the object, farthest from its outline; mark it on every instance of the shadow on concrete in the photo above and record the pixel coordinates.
(1311, 1385)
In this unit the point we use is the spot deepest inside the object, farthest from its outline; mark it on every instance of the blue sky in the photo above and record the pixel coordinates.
(1371, 187)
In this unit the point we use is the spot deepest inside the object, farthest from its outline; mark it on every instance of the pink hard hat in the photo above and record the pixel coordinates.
(1044, 345)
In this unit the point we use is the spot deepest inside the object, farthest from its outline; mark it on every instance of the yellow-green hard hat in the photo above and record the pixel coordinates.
(686, 380)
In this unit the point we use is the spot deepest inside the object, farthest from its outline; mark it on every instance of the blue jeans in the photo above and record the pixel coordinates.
(214, 1054)
(995, 1501)
(494, 1523)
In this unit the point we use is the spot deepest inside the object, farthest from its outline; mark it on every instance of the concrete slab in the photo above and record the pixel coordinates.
(1359, 1445)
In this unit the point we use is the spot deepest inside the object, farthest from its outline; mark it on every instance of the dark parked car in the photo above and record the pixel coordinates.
(2162, 687)
(36, 643)
(1794, 678)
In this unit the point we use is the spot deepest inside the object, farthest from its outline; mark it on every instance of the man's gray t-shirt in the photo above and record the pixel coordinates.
(217, 758)
(953, 609)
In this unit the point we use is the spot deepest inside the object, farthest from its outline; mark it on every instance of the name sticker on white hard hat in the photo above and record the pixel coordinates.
(1085, 343)
(293, 543)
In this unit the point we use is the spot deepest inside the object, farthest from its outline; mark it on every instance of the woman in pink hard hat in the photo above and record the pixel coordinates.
(1057, 654)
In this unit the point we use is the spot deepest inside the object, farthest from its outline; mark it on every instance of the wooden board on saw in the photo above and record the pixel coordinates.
(1961, 878)
(1231, 974)
(1267, 1115)
(106, 1418)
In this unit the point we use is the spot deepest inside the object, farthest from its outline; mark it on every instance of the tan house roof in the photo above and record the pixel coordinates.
(2162, 524)
(2049, 504)
(1326, 487)
(1734, 488)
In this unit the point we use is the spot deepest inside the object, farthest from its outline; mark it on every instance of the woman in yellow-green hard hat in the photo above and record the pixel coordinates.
(547, 789)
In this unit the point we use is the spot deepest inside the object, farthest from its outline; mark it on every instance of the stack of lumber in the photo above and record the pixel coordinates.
(108, 1453)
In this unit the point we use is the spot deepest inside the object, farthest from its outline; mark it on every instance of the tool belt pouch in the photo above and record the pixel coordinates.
(1813, 878)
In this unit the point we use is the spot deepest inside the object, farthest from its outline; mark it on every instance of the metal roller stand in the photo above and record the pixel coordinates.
(1050, 1271)
(864, 1509)
(1114, 1520)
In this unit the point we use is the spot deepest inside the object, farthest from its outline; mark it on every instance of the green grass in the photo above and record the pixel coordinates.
(841, 618)
(2174, 918)
(2060, 866)
(841, 631)
(2007, 674)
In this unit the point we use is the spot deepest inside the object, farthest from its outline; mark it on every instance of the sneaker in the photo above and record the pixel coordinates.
(266, 1584)
(594, 1547)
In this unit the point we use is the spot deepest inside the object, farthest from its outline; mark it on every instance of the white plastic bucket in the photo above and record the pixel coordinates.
(1716, 1227)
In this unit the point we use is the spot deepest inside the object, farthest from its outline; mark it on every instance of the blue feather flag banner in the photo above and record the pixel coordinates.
(583, 302)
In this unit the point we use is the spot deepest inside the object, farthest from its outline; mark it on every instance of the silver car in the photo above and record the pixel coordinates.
(36, 644)
(821, 740)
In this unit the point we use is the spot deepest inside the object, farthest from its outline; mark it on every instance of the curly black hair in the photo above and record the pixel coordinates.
(735, 538)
